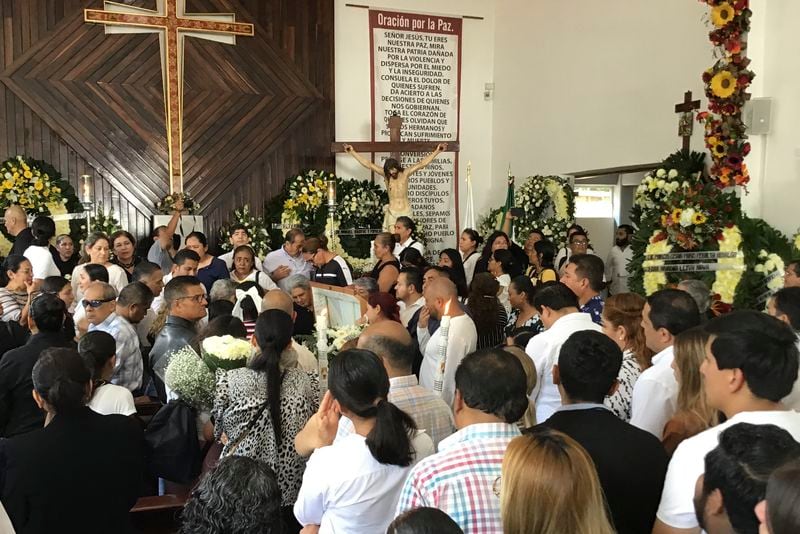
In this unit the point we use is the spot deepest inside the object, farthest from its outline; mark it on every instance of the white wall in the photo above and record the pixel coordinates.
(352, 64)
(774, 46)
(582, 84)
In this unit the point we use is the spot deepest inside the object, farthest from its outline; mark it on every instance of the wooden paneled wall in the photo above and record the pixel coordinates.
(90, 103)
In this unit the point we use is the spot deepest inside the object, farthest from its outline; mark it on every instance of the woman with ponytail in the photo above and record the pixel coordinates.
(81, 465)
(259, 409)
(353, 484)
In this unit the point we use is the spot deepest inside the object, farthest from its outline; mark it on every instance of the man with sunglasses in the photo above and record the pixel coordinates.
(100, 303)
(186, 298)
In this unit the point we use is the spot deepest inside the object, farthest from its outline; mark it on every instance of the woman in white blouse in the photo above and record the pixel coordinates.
(244, 269)
(98, 348)
(43, 230)
(354, 483)
(97, 249)
(468, 245)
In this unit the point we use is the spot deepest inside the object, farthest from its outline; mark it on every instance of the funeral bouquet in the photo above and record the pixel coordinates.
(190, 378)
(105, 221)
(225, 352)
(167, 204)
(772, 267)
(339, 336)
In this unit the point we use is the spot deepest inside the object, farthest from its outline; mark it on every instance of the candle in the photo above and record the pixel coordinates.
(331, 192)
(87, 197)
(444, 329)
(469, 171)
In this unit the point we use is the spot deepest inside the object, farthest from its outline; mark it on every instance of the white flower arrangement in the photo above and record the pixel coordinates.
(547, 206)
(655, 280)
(226, 352)
(190, 378)
(655, 187)
(726, 281)
(771, 266)
(339, 336)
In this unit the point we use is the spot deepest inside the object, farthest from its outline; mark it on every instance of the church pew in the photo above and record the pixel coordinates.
(157, 514)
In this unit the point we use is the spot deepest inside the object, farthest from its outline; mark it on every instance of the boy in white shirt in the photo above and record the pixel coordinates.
(751, 364)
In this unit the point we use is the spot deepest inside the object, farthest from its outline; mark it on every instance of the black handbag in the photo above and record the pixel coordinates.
(172, 448)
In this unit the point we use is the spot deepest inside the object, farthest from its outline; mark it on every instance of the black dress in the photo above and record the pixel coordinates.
(376, 271)
(65, 267)
(81, 473)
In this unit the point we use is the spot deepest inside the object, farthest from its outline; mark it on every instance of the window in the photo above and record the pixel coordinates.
(594, 201)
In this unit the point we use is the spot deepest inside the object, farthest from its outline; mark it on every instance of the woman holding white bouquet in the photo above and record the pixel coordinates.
(259, 409)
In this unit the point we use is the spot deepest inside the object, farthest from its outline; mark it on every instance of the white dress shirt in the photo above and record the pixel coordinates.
(296, 264)
(407, 312)
(687, 464)
(345, 489)
(410, 242)
(462, 338)
(655, 395)
(543, 349)
(469, 265)
(617, 269)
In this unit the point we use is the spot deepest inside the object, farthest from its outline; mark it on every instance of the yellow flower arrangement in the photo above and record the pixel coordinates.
(728, 279)
(655, 280)
(722, 14)
(676, 214)
(699, 218)
(723, 84)
(797, 241)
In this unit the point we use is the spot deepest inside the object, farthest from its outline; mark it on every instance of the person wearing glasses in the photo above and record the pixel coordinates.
(330, 268)
(100, 303)
(186, 300)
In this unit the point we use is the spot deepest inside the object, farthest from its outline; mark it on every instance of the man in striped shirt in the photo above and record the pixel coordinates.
(460, 479)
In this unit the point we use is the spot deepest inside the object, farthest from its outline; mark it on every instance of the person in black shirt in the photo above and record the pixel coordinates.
(18, 413)
(303, 304)
(631, 463)
(64, 255)
(16, 221)
(83, 471)
(330, 268)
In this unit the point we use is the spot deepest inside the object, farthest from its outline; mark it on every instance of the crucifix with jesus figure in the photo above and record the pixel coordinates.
(686, 123)
(397, 179)
(171, 22)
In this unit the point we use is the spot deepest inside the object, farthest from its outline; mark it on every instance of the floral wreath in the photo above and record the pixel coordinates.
(726, 84)
(39, 189)
(549, 206)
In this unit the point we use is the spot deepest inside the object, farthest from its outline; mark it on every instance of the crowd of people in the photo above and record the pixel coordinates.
(502, 388)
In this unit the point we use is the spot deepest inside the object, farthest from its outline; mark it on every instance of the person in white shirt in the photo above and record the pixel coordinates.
(404, 228)
(617, 261)
(751, 364)
(666, 314)
(785, 305)
(468, 245)
(98, 348)
(42, 263)
(736, 475)
(184, 263)
(394, 346)
(558, 309)
(353, 484)
(239, 235)
(245, 270)
(409, 296)
(288, 260)
(441, 299)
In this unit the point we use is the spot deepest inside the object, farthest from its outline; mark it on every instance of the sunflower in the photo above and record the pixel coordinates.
(723, 84)
(718, 149)
(722, 14)
(699, 218)
(676, 214)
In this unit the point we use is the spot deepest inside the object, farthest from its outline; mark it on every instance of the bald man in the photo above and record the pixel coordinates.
(441, 299)
(16, 221)
(393, 344)
(279, 300)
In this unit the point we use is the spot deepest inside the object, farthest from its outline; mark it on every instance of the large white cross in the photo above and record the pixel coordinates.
(171, 22)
